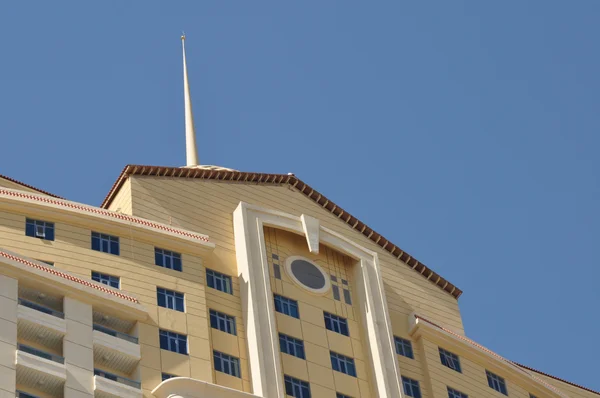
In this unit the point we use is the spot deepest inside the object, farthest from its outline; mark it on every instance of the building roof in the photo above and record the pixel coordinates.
(513, 363)
(29, 186)
(295, 182)
(557, 378)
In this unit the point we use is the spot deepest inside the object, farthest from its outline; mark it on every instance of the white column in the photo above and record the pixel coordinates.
(8, 335)
(78, 349)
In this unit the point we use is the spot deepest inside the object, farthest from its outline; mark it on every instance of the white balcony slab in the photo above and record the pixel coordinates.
(40, 373)
(115, 353)
(105, 388)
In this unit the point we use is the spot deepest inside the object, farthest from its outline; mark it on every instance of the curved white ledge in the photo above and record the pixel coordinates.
(185, 387)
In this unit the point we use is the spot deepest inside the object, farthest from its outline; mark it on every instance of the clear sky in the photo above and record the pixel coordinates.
(466, 132)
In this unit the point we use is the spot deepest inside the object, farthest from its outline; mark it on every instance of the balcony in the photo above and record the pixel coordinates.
(116, 350)
(40, 370)
(36, 322)
(108, 385)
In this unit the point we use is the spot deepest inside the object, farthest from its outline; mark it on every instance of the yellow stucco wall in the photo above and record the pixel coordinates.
(207, 207)
(4, 183)
(71, 251)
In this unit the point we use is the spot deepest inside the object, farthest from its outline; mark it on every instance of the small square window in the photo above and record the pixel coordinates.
(219, 281)
(287, 306)
(342, 364)
(291, 346)
(174, 342)
(226, 363)
(105, 243)
(450, 360)
(496, 382)
(296, 388)
(336, 323)
(452, 393)
(222, 322)
(167, 259)
(170, 299)
(411, 387)
(39, 229)
(404, 347)
(110, 280)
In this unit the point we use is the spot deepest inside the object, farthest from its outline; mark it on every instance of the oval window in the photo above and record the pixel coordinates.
(307, 274)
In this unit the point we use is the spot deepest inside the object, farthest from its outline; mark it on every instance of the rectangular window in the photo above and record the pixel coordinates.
(347, 297)
(286, 306)
(219, 281)
(105, 243)
(342, 364)
(404, 347)
(296, 388)
(411, 387)
(496, 382)
(226, 364)
(291, 346)
(167, 259)
(276, 271)
(39, 229)
(172, 341)
(170, 299)
(166, 376)
(450, 360)
(336, 292)
(336, 323)
(109, 280)
(223, 322)
(452, 393)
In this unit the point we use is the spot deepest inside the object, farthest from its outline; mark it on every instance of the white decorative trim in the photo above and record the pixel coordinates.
(259, 313)
(288, 269)
(310, 225)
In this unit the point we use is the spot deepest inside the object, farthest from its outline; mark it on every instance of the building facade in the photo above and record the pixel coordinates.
(206, 282)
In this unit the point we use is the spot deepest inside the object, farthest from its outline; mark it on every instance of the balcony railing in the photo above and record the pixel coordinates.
(41, 308)
(41, 354)
(118, 379)
(112, 332)
(21, 394)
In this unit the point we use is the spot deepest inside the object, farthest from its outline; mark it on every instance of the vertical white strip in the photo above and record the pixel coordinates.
(78, 349)
(8, 335)
(191, 154)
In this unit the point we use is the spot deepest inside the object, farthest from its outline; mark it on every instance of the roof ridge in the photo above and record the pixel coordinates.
(303, 188)
(30, 186)
(557, 378)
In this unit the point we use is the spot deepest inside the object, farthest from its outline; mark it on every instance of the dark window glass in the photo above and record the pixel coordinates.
(291, 346)
(336, 323)
(226, 364)
(496, 382)
(218, 281)
(452, 393)
(167, 259)
(411, 387)
(166, 376)
(296, 388)
(286, 306)
(450, 360)
(342, 363)
(277, 271)
(172, 341)
(340, 395)
(347, 297)
(170, 299)
(106, 279)
(105, 243)
(222, 322)
(404, 347)
(39, 229)
(336, 292)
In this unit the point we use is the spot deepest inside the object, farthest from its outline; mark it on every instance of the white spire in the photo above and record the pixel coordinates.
(191, 154)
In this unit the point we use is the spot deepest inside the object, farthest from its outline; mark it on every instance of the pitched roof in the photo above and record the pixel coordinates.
(302, 187)
(557, 378)
(29, 186)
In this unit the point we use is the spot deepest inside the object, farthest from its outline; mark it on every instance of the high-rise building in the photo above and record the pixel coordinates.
(206, 282)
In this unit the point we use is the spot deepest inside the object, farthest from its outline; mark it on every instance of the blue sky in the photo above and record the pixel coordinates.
(466, 132)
